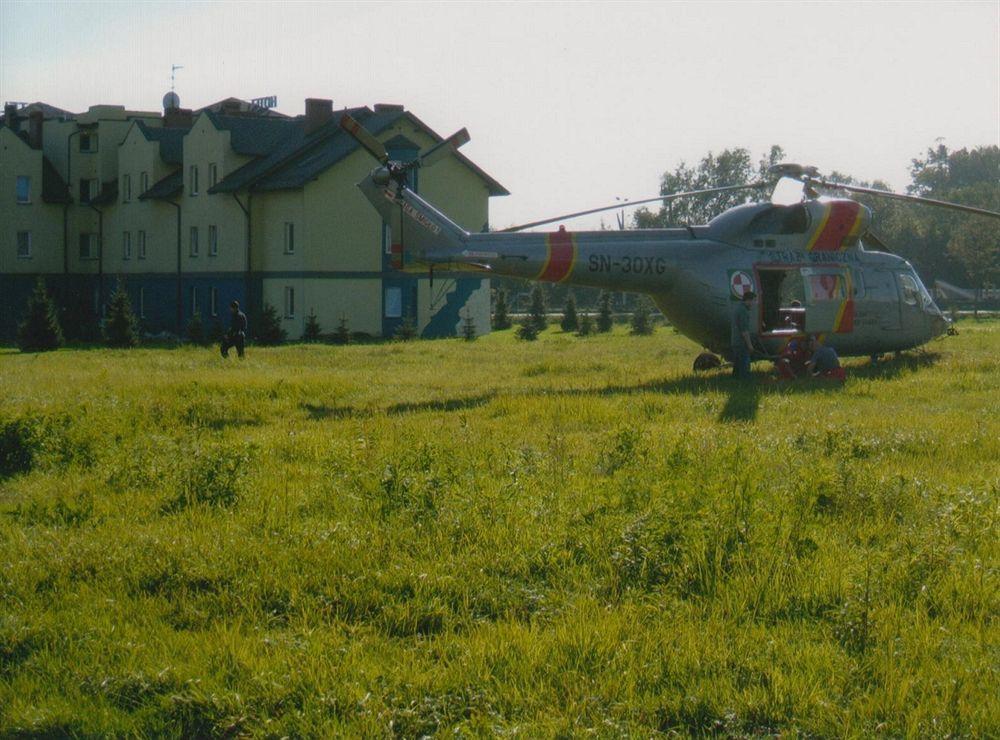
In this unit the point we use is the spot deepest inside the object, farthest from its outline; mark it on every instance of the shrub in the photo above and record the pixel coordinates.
(537, 311)
(604, 318)
(406, 331)
(528, 330)
(268, 327)
(342, 334)
(196, 330)
(501, 319)
(121, 329)
(642, 321)
(586, 327)
(570, 322)
(312, 331)
(40, 330)
(468, 327)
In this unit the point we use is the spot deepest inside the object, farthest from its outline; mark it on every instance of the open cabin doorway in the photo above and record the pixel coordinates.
(782, 300)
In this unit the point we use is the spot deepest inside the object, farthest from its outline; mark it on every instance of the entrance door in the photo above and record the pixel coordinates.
(829, 299)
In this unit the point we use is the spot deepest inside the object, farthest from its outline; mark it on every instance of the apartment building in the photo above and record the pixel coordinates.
(192, 209)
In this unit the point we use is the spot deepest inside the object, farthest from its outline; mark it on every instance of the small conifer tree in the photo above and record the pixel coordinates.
(468, 327)
(570, 322)
(501, 319)
(527, 330)
(537, 310)
(312, 331)
(40, 330)
(586, 326)
(407, 330)
(342, 334)
(196, 330)
(121, 330)
(604, 318)
(642, 320)
(269, 330)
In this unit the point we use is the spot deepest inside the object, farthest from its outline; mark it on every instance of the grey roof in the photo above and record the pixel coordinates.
(168, 187)
(171, 141)
(289, 158)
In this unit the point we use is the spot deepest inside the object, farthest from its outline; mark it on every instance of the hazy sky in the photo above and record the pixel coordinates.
(569, 104)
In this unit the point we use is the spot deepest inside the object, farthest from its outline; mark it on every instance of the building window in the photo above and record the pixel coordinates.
(142, 301)
(24, 245)
(126, 245)
(89, 244)
(88, 189)
(143, 182)
(194, 179)
(213, 174)
(23, 189)
(213, 240)
(289, 302)
(393, 303)
(193, 242)
(88, 142)
(213, 301)
(289, 237)
(126, 188)
(140, 238)
(194, 300)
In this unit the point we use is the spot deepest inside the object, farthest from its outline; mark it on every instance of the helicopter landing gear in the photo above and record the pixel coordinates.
(706, 361)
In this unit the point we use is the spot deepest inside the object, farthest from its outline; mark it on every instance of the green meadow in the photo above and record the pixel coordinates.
(556, 538)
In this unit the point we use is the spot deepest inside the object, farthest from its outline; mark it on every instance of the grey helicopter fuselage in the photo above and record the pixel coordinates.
(806, 263)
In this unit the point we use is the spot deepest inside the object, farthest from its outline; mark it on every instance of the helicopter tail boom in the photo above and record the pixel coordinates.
(418, 234)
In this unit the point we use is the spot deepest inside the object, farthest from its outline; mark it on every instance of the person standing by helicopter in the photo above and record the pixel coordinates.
(740, 340)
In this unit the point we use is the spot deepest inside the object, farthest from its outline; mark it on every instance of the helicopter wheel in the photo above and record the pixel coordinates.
(706, 361)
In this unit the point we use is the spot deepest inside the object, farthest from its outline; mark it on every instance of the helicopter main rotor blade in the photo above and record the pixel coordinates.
(910, 198)
(625, 204)
(452, 143)
(364, 137)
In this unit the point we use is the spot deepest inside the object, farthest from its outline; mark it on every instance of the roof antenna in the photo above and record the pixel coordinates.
(173, 70)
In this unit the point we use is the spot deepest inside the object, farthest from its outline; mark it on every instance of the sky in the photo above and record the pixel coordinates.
(570, 104)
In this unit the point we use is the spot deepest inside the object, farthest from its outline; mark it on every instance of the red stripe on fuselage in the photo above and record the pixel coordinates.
(841, 221)
(562, 255)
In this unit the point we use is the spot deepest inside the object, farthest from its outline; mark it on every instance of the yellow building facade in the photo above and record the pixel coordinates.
(192, 211)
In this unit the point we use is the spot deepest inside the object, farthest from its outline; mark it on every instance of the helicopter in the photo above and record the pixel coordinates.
(807, 262)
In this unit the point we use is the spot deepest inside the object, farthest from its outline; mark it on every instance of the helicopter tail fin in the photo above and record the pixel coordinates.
(417, 234)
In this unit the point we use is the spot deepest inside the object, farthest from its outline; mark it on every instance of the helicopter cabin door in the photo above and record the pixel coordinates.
(830, 304)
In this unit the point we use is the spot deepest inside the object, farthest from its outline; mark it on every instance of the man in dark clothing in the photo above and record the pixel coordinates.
(237, 331)
(740, 342)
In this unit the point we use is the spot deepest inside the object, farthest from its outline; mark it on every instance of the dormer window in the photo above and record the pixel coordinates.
(88, 142)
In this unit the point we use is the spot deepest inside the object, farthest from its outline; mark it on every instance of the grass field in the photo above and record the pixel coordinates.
(555, 538)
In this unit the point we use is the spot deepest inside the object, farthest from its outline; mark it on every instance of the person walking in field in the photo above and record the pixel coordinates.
(740, 341)
(237, 331)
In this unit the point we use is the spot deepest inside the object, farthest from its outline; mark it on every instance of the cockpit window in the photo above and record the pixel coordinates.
(781, 220)
(909, 288)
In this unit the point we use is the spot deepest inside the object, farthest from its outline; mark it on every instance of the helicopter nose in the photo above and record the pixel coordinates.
(939, 324)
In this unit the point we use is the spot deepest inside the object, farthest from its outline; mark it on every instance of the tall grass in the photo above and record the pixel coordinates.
(553, 538)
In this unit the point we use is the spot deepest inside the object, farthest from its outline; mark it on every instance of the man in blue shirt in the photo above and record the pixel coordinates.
(740, 342)
(237, 331)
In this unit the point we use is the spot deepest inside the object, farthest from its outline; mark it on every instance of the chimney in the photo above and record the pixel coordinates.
(10, 116)
(318, 112)
(35, 120)
(178, 118)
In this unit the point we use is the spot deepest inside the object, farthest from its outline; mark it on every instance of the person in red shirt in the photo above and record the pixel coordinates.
(791, 363)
